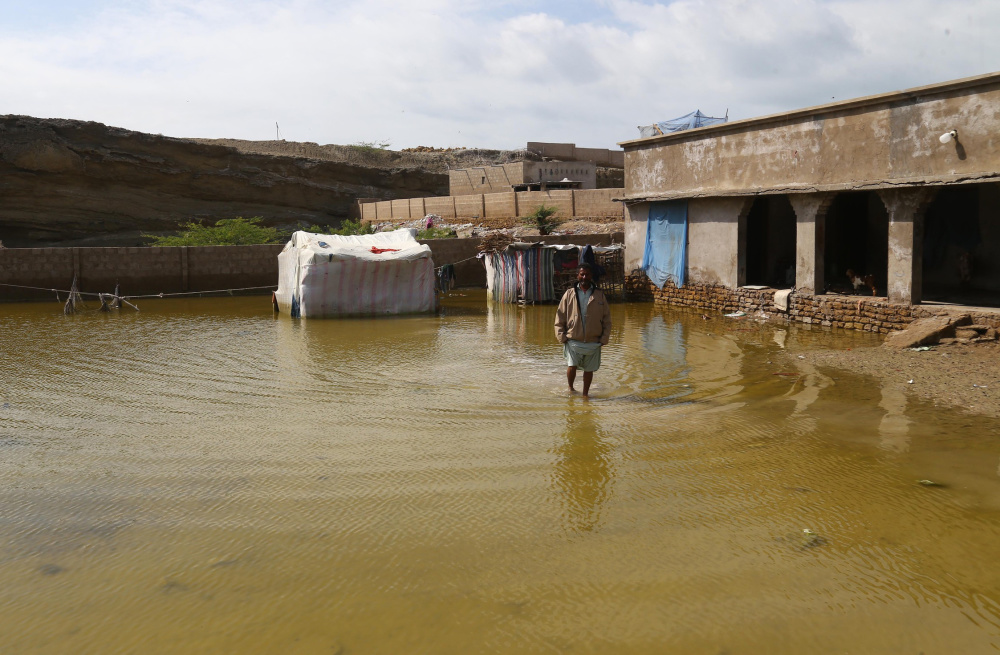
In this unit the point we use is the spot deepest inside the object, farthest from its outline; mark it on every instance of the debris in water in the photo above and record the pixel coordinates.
(810, 539)
(930, 483)
(735, 315)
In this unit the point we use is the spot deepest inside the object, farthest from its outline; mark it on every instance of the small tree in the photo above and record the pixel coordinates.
(237, 231)
(543, 219)
(357, 226)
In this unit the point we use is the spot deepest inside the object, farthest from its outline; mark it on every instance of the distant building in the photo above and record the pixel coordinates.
(546, 166)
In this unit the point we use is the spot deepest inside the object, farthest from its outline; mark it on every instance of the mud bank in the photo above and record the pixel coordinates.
(966, 376)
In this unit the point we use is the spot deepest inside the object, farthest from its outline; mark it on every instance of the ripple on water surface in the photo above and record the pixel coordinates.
(203, 476)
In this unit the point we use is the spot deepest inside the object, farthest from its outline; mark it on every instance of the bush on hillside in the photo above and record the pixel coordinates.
(237, 231)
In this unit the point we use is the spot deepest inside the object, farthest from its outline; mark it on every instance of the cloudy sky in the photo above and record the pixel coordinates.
(469, 72)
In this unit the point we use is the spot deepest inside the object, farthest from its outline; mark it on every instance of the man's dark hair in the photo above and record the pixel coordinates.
(586, 266)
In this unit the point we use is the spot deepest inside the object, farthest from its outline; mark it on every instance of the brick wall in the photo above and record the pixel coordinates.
(848, 312)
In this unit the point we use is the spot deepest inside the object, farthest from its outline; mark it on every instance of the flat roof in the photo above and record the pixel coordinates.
(761, 121)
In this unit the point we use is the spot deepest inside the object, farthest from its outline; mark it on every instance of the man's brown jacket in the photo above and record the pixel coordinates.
(568, 320)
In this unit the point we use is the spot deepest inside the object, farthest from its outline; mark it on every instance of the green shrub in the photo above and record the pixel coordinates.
(237, 231)
(357, 226)
(371, 146)
(436, 233)
(543, 219)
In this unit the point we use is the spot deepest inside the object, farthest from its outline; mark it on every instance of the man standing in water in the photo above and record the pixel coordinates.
(583, 325)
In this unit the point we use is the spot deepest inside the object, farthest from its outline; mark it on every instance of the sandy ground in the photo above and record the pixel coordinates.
(959, 375)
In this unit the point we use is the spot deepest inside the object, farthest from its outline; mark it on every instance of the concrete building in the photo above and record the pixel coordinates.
(545, 166)
(522, 176)
(903, 187)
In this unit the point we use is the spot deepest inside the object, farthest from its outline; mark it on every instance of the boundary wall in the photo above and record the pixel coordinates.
(570, 203)
(849, 312)
(143, 271)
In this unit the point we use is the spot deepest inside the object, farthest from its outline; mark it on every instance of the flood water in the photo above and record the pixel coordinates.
(203, 477)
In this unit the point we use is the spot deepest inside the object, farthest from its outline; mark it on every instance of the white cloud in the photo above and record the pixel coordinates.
(478, 74)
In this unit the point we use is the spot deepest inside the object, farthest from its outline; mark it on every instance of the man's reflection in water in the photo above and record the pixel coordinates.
(583, 470)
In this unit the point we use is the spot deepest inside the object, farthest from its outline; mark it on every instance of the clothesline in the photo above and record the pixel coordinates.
(151, 295)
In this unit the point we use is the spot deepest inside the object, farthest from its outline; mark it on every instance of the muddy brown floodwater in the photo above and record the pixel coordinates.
(205, 477)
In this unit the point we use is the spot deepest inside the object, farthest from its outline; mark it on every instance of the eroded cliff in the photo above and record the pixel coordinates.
(65, 182)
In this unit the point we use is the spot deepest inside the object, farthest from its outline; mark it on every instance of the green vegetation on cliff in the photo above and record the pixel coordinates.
(237, 231)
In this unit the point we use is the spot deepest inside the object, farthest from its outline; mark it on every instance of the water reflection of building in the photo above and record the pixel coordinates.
(583, 471)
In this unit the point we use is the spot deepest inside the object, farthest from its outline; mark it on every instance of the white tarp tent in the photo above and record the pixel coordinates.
(329, 275)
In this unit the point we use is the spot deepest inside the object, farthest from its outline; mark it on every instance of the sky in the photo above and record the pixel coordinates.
(470, 73)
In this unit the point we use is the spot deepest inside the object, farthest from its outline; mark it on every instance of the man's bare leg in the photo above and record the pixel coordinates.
(571, 377)
(588, 377)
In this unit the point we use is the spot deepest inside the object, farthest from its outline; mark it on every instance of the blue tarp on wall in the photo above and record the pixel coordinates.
(685, 122)
(665, 256)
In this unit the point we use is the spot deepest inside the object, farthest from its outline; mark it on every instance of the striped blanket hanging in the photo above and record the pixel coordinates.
(501, 276)
(521, 275)
(535, 268)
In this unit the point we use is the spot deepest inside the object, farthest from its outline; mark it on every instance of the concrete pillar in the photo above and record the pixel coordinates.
(810, 239)
(741, 241)
(906, 242)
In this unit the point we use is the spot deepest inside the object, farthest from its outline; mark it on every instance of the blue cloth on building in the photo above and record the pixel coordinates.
(665, 255)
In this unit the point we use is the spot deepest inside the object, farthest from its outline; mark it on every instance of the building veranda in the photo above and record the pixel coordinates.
(892, 198)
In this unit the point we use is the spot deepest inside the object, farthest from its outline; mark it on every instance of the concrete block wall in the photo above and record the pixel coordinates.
(500, 205)
(139, 271)
(469, 206)
(417, 208)
(401, 208)
(562, 200)
(598, 202)
(590, 203)
(443, 207)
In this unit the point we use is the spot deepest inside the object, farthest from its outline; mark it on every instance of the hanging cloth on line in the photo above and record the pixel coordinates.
(665, 255)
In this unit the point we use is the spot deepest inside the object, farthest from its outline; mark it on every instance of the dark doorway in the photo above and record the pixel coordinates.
(770, 255)
(961, 244)
(857, 240)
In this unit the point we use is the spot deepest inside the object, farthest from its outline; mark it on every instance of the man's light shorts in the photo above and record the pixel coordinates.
(585, 356)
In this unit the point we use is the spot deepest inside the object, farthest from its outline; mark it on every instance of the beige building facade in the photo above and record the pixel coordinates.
(901, 188)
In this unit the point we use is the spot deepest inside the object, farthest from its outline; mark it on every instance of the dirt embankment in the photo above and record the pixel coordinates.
(963, 375)
(84, 183)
